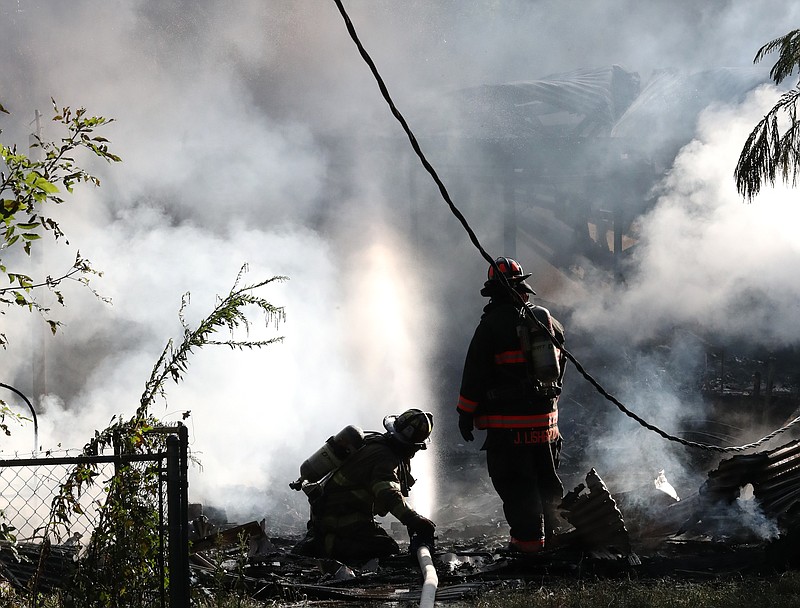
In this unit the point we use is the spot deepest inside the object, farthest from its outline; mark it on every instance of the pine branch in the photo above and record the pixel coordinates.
(767, 154)
(788, 56)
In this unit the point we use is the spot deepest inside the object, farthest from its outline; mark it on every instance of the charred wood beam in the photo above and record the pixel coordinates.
(229, 536)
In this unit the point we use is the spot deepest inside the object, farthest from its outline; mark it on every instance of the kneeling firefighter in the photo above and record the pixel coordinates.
(367, 474)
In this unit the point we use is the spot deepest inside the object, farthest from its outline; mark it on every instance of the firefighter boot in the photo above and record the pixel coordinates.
(526, 546)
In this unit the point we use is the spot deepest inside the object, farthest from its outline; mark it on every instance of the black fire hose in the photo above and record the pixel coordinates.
(33, 414)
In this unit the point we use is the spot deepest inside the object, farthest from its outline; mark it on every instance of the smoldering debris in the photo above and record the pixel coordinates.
(650, 531)
(760, 492)
(744, 518)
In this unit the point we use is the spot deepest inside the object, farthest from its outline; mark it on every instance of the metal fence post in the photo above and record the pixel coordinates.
(177, 513)
(183, 436)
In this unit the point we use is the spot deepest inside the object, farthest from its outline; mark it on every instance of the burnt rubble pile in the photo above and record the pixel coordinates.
(774, 477)
(745, 518)
(724, 528)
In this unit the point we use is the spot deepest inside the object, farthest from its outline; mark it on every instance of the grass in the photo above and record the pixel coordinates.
(777, 591)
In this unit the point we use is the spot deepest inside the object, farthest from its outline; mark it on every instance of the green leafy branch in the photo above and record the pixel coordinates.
(28, 189)
(22, 290)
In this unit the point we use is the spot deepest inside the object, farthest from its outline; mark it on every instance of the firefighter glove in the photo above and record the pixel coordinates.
(465, 427)
(417, 524)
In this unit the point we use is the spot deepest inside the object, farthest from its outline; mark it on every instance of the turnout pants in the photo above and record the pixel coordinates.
(525, 478)
(344, 533)
(353, 543)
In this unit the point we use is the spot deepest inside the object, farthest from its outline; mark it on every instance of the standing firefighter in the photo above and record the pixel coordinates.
(373, 479)
(510, 386)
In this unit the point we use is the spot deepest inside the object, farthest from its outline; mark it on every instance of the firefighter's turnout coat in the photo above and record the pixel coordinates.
(496, 389)
(372, 481)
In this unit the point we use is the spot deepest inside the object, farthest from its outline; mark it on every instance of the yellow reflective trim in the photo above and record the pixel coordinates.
(380, 486)
(339, 479)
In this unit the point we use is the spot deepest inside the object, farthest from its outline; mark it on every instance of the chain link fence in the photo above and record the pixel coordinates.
(29, 487)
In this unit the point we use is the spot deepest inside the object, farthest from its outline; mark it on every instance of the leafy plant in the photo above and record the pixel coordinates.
(29, 188)
(121, 564)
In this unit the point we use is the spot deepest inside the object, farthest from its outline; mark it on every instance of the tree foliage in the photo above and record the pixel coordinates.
(29, 187)
(772, 150)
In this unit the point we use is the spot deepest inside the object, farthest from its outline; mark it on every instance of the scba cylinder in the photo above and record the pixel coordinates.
(543, 354)
(332, 453)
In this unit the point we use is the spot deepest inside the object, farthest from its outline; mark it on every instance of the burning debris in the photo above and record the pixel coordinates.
(769, 481)
(649, 532)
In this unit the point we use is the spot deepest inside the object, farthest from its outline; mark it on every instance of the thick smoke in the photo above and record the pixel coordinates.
(230, 121)
(709, 265)
(706, 258)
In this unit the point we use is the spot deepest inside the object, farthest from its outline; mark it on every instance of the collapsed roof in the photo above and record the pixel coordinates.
(585, 147)
(580, 103)
(589, 102)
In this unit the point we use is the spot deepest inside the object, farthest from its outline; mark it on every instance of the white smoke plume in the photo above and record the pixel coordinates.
(706, 257)
(224, 114)
(706, 261)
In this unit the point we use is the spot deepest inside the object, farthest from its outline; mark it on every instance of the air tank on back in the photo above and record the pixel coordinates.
(538, 348)
(329, 456)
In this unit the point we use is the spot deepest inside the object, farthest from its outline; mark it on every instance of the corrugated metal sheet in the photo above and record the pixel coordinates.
(598, 523)
(774, 475)
(664, 115)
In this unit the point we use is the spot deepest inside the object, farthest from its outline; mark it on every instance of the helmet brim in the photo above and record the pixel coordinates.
(523, 286)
